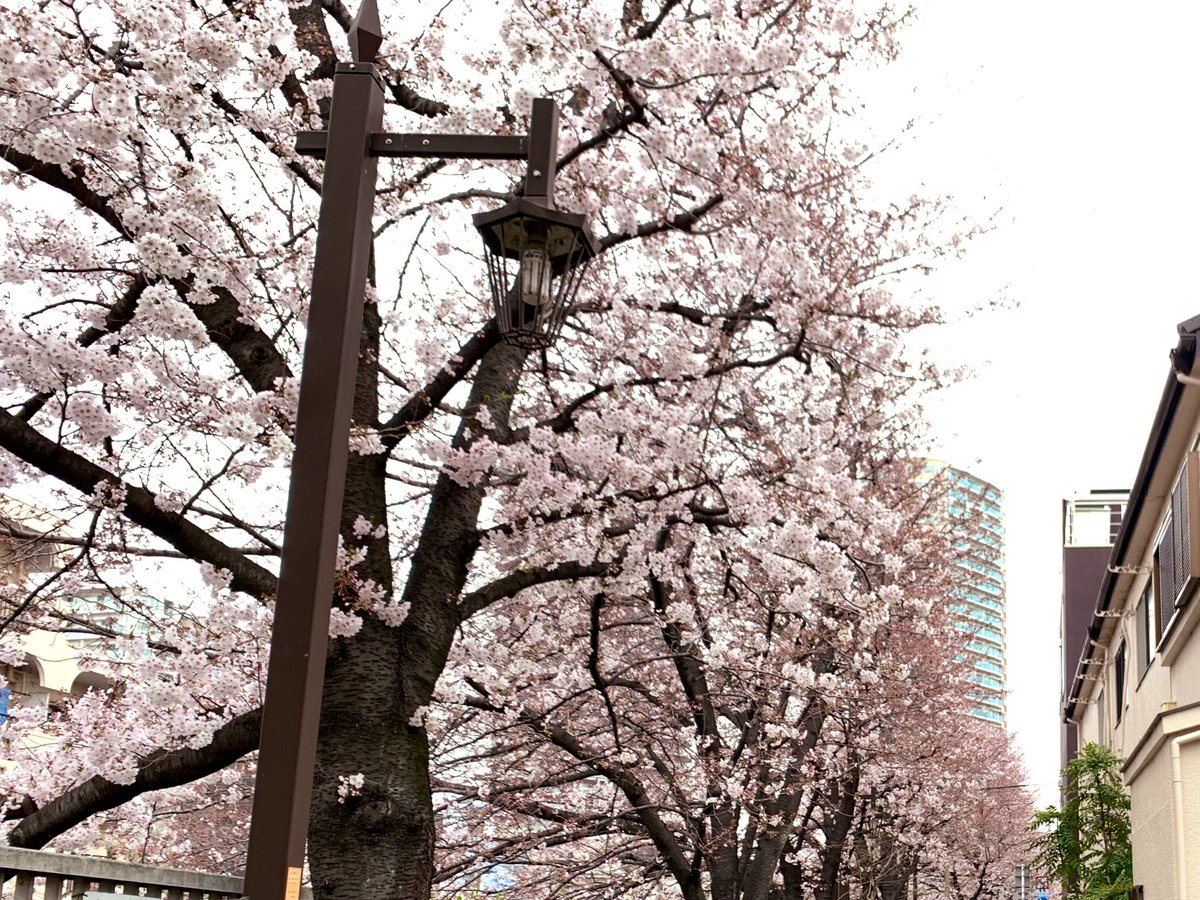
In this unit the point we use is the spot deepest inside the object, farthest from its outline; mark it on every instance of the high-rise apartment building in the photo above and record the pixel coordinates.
(974, 509)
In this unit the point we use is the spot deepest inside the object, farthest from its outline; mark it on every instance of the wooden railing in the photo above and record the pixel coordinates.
(39, 875)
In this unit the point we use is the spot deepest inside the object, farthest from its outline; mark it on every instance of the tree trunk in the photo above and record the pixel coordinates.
(836, 827)
(899, 868)
(379, 843)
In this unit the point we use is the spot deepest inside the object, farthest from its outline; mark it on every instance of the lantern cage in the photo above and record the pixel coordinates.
(536, 257)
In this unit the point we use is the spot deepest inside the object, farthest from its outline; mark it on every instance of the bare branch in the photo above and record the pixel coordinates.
(424, 402)
(684, 221)
(515, 582)
(30, 445)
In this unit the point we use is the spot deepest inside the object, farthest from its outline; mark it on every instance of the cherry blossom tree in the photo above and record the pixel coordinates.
(971, 842)
(692, 497)
(676, 723)
(728, 733)
(199, 826)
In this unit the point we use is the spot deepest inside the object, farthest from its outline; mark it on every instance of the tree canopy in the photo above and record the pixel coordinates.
(1086, 844)
(653, 610)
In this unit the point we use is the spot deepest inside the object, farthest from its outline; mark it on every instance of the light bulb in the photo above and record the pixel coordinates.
(535, 272)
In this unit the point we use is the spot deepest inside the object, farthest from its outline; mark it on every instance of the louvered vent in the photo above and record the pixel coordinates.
(1179, 552)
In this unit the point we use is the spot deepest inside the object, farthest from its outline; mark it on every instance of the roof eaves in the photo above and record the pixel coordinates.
(1183, 356)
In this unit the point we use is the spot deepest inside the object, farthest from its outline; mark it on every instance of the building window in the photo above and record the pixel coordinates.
(1177, 554)
(1147, 628)
(1163, 610)
(1119, 683)
(1102, 730)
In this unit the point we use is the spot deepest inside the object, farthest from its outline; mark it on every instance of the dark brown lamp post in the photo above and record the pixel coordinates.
(536, 255)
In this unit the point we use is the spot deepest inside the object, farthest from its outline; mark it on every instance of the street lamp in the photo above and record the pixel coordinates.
(536, 257)
(536, 254)
(551, 250)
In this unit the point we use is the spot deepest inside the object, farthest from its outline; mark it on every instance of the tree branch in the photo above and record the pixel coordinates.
(643, 806)
(30, 445)
(593, 664)
(69, 182)
(515, 582)
(414, 102)
(616, 120)
(647, 30)
(564, 420)
(252, 353)
(119, 315)
(684, 221)
(424, 402)
(156, 771)
(291, 164)
(49, 538)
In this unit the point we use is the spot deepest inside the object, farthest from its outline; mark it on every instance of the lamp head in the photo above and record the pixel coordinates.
(536, 258)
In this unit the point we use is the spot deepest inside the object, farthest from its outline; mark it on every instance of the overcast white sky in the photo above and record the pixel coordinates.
(1074, 120)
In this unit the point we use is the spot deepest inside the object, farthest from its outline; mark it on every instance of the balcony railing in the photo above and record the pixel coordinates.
(39, 875)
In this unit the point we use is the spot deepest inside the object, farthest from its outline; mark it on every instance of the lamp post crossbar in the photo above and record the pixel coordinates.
(428, 146)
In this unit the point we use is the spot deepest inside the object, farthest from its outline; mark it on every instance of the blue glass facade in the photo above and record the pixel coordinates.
(975, 510)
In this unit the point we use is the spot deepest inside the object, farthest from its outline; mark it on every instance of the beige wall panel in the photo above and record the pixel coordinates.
(1189, 819)
(1152, 820)
(1185, 672)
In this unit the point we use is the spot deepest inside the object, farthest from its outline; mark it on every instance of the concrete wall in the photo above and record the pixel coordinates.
(1188, 816)
(58, 661)
(1151, 818)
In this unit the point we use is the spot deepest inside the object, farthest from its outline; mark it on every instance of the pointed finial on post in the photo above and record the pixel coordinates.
(366, 34)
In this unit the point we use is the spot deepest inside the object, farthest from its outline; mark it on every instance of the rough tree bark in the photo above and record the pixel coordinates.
(377, 682)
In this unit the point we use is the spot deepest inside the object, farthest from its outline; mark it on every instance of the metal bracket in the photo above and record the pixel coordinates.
(539, 148)
(1127, 569)
(429, 146)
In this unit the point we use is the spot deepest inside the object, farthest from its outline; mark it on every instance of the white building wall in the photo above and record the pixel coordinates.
(59, 662)
(1159, 732)
(1151, 817)
(1161, 714)
(1185, 759)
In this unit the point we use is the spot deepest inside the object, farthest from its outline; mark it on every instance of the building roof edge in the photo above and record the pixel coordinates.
(1183, 357)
